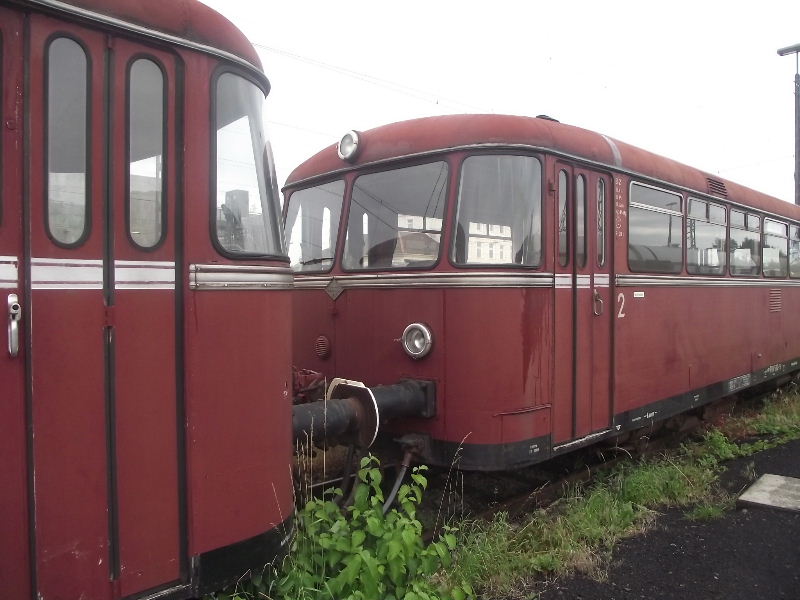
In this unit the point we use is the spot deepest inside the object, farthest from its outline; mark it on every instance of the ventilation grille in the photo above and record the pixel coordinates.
(775, 301)
(717, 188)
(322, 347)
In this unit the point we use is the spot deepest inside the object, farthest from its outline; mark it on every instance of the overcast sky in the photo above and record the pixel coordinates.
(700, 82)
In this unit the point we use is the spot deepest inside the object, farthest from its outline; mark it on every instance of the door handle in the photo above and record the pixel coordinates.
(597, 308)
(14, 317)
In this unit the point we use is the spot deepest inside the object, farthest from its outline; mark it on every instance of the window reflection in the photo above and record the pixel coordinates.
(395, 218)
(146, 153)
(745, 244)
(655, 238)
(654, 242)
(774, 251)
(580, 221)
(499, 211)
(744, 252)
(246, 196)
(601, 223)
(563, 219)
(705, 238)
(794, 251)
(67, 108)
(312, 224)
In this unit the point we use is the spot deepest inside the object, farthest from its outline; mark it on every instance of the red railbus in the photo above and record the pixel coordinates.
(557, 286)
(144, 404)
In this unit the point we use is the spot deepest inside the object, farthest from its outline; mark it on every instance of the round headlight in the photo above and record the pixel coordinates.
(417, 340)
(348, 146)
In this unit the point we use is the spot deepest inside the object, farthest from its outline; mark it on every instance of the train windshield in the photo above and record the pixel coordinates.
(246, 193)
(395, 218)
(499, 211)
(312, 224)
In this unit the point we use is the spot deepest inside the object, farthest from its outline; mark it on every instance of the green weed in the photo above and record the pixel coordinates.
(358, 553)
(499, 557)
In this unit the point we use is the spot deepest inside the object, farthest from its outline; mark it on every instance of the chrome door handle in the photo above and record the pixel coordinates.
(14, 316)
(598, 302)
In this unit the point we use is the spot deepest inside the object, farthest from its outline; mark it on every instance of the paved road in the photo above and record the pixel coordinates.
(749, 554)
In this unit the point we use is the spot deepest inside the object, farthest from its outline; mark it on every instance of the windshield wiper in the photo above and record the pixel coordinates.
(314, 261)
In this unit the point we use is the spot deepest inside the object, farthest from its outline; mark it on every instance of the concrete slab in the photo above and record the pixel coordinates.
(774, 491)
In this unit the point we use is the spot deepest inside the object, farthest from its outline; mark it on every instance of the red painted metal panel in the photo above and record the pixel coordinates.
(495, 361)
(145, 365)
(237, 370)
(319, 314)
(14, 540)
(146, 444)
(238, 414)
(488, 359)
(186, 19)
(70, 466)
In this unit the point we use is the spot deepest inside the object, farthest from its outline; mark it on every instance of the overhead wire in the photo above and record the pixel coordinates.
(419, 93)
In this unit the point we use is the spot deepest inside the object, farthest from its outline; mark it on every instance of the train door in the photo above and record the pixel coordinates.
(103, 396)
(14, 538)
(147, 532)
(581, 404)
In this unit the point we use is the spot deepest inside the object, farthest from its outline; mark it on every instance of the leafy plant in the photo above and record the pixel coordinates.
(357, 552)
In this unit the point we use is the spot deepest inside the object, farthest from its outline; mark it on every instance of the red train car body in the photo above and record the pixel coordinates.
(144, 387)
(571, 286)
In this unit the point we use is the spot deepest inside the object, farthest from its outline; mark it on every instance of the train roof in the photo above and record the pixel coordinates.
(435, 134)
(181, 21)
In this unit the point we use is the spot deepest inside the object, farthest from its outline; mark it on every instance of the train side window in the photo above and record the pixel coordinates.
(312, 224)
(563, 219)
(601, 222)
(794, 251)
(146, 165)
(655, 230)
(774, 250)
(67, 82)
(499, 219)
(580, 221)
(744, 249)
(705, 238)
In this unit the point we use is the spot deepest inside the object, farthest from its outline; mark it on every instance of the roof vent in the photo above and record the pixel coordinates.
(717, 188)
(547, 118)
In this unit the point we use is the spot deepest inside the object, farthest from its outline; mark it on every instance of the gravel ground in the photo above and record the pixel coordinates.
(748, 554)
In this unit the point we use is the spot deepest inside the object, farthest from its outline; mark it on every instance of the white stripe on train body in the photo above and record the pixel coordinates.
(66, 274)
(9, 278)
(144, 275)
(81, 274)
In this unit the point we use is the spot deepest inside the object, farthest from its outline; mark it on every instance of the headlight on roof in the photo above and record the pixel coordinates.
(348, 146)
(417, 340)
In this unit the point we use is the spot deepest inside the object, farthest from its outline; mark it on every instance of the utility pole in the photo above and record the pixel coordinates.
(796, 51)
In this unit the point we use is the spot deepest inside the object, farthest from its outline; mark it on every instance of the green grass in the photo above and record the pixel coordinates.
(357, 552)
(501, 557)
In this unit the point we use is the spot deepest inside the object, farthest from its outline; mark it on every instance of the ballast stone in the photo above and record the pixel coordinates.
(774, 491)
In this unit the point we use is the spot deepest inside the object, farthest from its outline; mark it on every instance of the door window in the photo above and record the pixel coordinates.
(67, 117)
(146, 183)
